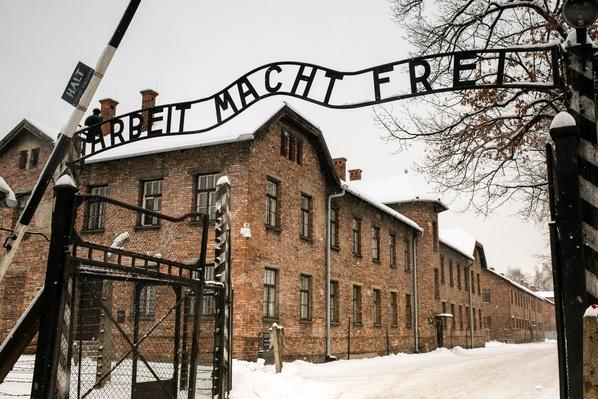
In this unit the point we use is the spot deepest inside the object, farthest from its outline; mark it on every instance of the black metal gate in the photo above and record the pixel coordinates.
(138, 318)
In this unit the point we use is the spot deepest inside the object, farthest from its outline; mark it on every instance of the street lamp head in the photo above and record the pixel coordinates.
(580, 14)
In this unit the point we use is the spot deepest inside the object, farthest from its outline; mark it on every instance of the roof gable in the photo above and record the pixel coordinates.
(25, 126)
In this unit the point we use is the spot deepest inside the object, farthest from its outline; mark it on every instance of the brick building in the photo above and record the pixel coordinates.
(23, 152)
(514, 312)
(397, 283)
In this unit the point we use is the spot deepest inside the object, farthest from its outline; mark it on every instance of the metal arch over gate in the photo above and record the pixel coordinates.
(465, 70)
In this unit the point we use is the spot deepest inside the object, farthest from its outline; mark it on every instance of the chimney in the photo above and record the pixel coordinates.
(355, 174)
(148, 100)
(340, 167)
(108, 110)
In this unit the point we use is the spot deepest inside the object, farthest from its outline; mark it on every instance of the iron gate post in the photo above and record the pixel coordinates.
(55, 288)
(571, 273)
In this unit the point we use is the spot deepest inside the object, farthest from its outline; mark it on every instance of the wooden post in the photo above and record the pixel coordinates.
(278, 345)
(590, 353)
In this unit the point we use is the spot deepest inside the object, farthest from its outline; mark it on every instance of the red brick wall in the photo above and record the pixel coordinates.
(504, 307)
(26, 274)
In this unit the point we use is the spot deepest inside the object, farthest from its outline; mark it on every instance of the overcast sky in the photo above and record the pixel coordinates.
(188, 49)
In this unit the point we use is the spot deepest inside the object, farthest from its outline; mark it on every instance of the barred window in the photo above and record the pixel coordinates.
(147, 302)
(392, 249)
(334, 227)
(408, 313)
(334, 302)
(272, 203)
(356, 226)
(206, 194)
(151, 200)
(270, 282)
(96, 212)
(357, 304)
(375, 243)
(305, 298)
(377, 308)
(34, 160)
(306, 216)
(459, 276)
(407, 254)
(442, 275)
(451, 274)
(394, 311)
(23, 159)
(486, 295)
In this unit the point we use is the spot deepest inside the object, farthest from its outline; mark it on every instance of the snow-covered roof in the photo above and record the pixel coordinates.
(520, 286)
(51, 131)
(382, 207)
(397, 189)
(546, 294)
(459, 240)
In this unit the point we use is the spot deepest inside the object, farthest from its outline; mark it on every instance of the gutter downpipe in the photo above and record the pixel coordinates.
(470, 303)
(415, 297)
(328, 356)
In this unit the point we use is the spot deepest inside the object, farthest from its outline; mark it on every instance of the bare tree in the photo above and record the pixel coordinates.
(486, 143)
(516, 274)
(542, 277)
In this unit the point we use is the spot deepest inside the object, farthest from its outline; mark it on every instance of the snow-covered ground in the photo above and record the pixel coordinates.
(501, 371)
(498, 371)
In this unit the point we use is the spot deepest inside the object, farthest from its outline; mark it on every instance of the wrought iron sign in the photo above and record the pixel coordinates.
(476, 69)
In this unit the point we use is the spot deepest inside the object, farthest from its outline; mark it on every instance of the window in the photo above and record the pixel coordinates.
(147, 302)
(34, 160)
(436, 285)
(407, 254)
(451, 276)
(305, 298)
(376, 243)
(334, 302)
(394, 309)
(444, 321)
(306, 216)
(435, 235)
(392, 250)
(408, 317)
(460, 316)
(442, 277)
(377, 311)
(480, 317)
(270, 280)
(459, 276)
(272, 203)
(357, 304)
(478, 278)
(208, 304)
(284, 143)
(152, 200)
(466, 279)
(467, 314)
(206, 194)
(291, 147)
(356, 225)
(472, 281)
(334, 227)
(23, 159)
(486, 295)
(475, 320)
(453, 324)
(96, 213)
